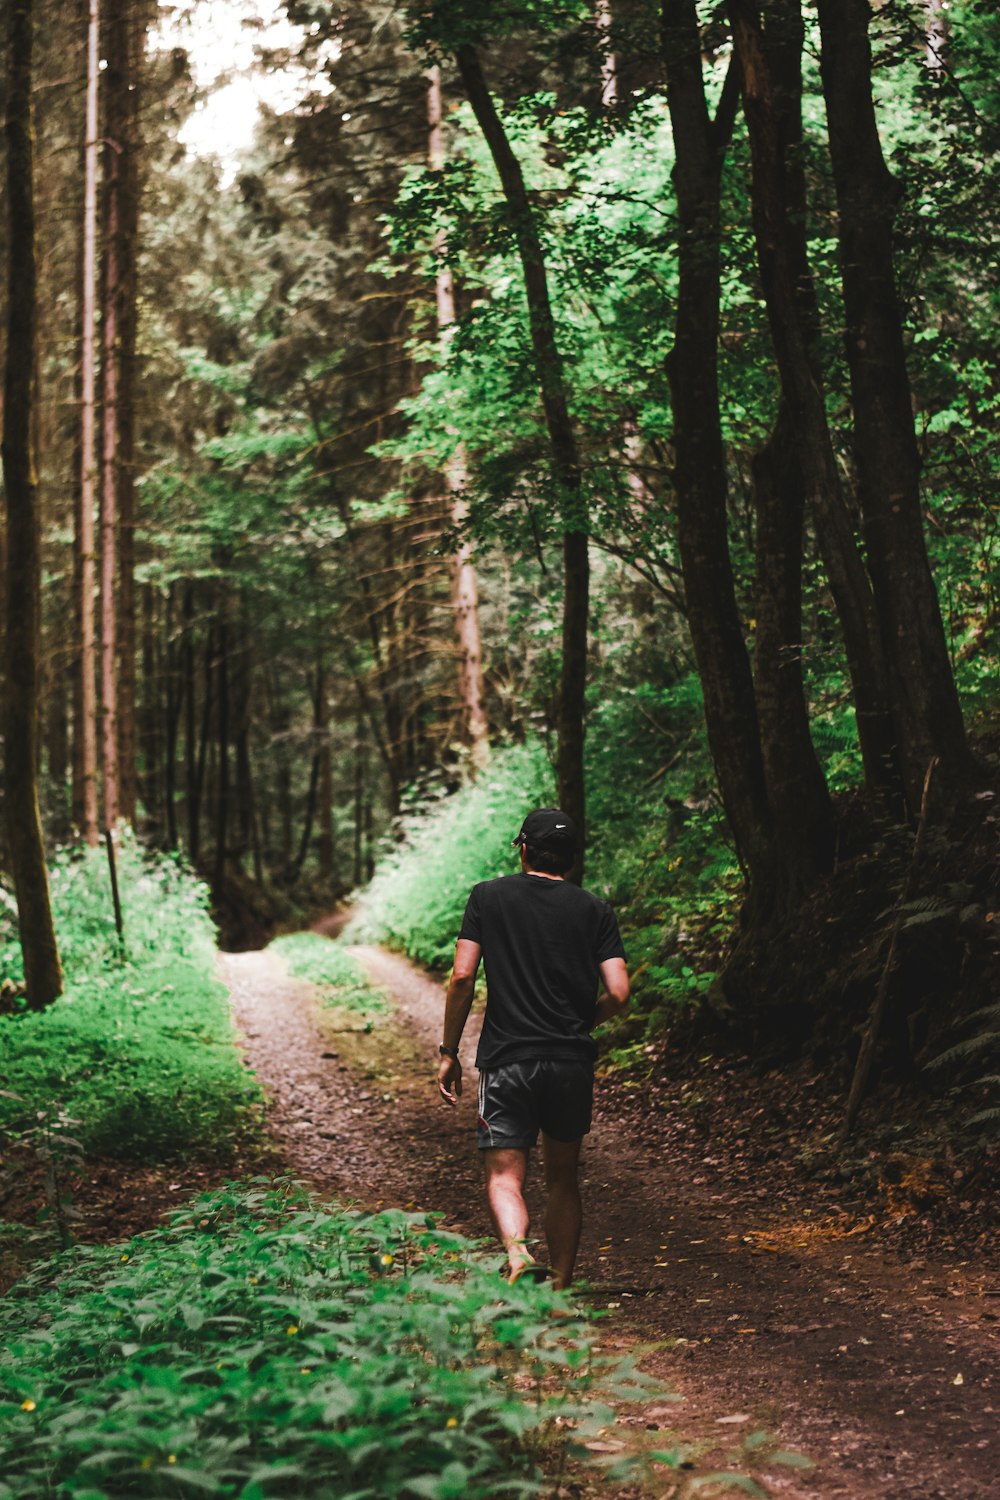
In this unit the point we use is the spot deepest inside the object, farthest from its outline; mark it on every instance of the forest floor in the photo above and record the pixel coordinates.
(770, 1305)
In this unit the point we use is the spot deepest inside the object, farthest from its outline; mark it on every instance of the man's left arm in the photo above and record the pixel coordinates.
(458, 1003)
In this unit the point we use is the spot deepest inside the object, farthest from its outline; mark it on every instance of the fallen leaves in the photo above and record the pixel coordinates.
(782, 1238)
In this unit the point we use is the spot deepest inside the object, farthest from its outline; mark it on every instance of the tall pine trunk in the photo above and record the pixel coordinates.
(42, 971)
(110, 292)
(85, 728)
(464, 582)
(925, 706)
(126, 41)
(562, 444)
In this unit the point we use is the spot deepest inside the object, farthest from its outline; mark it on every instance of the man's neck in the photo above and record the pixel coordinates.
(545, 874)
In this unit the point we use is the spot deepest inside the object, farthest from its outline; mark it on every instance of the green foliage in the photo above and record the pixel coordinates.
(657, 850)
(139, 1052)
(418, 895)
(262, 1346)
(342, 981)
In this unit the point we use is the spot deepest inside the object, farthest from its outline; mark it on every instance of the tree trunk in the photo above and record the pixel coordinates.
(126, 44)
(222, 780)
(562, 444)
(42, 971)
(174, 703)
(109, 474)
(803, 814)
(359, 786)
(197, 788)
(464, 582)
(699, 456)
(779, 118)
(799, 458)
(191, 756)
(155, 675)
(86, 727)
(925, 707)
(243, 688)
(325, 846)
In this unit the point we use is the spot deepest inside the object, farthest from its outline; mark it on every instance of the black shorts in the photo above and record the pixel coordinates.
(553, 1094)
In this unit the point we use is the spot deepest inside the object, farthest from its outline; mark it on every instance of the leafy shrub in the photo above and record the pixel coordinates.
(657, 847)
(139, 1051)
(166, 911)
(416, 900)
(340, 979)
(262, 1346)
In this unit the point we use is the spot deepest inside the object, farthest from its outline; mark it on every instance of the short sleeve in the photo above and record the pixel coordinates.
(609, 940)
(472, 928)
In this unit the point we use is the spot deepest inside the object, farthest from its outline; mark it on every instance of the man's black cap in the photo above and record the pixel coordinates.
(547, 827)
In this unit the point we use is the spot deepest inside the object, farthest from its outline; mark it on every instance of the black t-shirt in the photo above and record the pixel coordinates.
(542, 942)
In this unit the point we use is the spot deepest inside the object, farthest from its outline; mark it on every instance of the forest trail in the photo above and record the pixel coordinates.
(882, 1371)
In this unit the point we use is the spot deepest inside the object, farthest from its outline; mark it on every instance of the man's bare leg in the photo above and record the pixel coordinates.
(505, 1173)
(563, 1209)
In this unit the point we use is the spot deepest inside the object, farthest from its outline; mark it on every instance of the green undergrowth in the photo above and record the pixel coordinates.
(342, 982)
(263, 1345)
(418, 894)
(657, 850)
(137, 1058)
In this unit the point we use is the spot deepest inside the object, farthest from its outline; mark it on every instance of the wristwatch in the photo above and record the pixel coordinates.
(451, 1052)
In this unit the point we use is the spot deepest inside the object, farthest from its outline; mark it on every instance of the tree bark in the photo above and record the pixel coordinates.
(173, 705)
(359, 786)
(803, 813)
(222, 724)
(464, 581)
(325, 845)
(126, 43)
(42, 970)
(86, 726)
(781, 46)
(799, 458)
(109, 427)
(699, 457)
(562, 443)
(925, 707)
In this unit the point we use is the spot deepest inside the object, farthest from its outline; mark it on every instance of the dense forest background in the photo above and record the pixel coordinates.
(591, 401)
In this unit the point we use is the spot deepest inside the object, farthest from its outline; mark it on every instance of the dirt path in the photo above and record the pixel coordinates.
(883, 1372)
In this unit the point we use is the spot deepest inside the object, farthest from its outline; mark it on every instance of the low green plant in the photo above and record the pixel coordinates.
(416, 900)
(139, 1050)
(263, 1345)
(165, 910)
(342, 982)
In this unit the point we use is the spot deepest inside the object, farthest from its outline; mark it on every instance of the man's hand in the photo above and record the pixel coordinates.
(614, 977)
(450, 1079)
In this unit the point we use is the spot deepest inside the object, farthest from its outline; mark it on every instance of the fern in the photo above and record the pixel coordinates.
(968, 1047)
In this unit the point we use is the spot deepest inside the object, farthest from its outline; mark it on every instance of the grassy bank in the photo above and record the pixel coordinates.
(137, 1059)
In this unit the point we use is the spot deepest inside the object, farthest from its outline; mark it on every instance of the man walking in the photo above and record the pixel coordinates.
(546, 946)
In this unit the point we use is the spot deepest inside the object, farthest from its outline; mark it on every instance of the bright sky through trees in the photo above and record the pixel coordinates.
(225, 40)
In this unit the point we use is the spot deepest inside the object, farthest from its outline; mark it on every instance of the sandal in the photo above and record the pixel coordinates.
(530, 1271)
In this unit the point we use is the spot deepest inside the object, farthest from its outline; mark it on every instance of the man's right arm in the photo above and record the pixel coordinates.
(614, 977)
(458, 1003)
